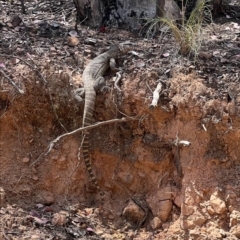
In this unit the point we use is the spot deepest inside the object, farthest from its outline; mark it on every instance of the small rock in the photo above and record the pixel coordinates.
(234, 218)
(45, 197)
(72, 41)
(133, 212)
(165, 226)
(235, 230)
(161, 203)
(204, 55)
(165, 208)
(35, 237)
(35, 178)
(178, 200)
(217, 204)
(59, 219)
(155, 223)
(73, 33)
(210, 210)
(188, 224)
(187, 210)
(26, 160)
(110, 216)
(199, 218)
(52, 49)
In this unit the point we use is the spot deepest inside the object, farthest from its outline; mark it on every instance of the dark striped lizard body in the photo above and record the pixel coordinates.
(93, 81)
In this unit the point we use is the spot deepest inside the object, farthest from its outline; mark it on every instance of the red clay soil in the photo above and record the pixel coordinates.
(172, 173)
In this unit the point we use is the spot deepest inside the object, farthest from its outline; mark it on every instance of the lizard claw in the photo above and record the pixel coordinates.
(105, 89)
(79, 94)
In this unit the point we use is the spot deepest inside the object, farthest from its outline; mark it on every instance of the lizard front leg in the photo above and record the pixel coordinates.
(112, 65)
(100, 85)
(79, 94)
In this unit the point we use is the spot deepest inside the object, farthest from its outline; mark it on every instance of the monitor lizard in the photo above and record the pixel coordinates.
(94, 81)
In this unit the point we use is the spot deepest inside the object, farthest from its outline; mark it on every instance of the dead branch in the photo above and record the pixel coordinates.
(51, 144)
(88, 128)
(116, 81)
(156, 95)
(12, 82)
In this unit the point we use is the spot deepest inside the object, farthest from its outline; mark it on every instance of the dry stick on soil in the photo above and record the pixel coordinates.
(12, 82)
(51, 144)
(116, 81)
(88, 128)
(156, 95)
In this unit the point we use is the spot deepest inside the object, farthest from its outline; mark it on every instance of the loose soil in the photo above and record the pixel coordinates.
(172, 172)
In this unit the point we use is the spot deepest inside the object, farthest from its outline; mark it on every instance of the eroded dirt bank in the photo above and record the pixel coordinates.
(171, 174)
(142, 165)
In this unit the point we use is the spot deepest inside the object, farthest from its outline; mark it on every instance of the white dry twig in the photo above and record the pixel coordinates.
(156, 95)
(12, 82)
(116, 81)
(52, 143)
(88, 128)
(177, 142)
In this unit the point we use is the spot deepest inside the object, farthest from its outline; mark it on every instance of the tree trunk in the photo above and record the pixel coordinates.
(217, 7)
(160, 8)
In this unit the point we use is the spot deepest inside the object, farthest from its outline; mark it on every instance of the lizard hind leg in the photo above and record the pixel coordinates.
(79, 94)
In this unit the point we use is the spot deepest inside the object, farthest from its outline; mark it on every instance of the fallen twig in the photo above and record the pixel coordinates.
(156, 95)
(51, 144)
(12, 82)
(88, 128)
(116, 81)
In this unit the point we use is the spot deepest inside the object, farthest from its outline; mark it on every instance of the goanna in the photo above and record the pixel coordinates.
(94, 81)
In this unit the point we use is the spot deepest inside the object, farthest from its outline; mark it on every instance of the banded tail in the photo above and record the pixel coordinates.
(90, 96)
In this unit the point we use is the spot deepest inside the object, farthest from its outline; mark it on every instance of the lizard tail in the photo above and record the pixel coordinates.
(87, 120)
(88, 164)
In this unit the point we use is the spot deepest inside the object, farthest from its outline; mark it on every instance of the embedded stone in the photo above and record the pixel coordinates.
(155, 223)
(217, 204)
(133, 212)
